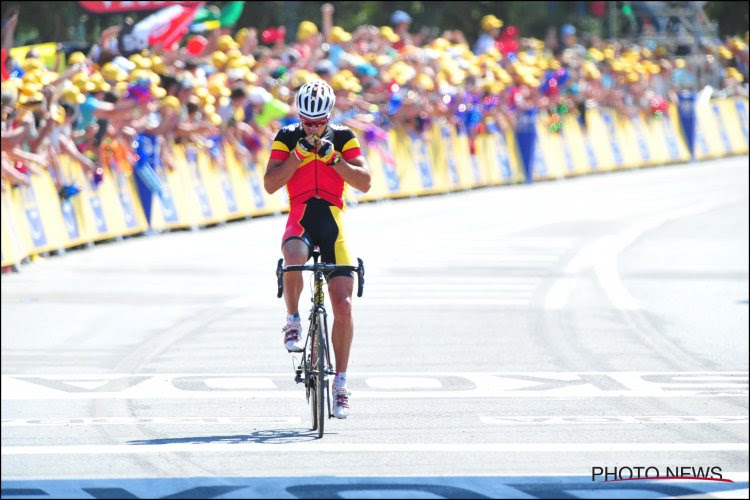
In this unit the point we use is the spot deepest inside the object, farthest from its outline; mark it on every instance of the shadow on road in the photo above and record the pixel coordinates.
(274, 436)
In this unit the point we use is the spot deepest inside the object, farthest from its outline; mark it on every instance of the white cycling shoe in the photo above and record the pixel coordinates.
(293, 338)
(340, 402)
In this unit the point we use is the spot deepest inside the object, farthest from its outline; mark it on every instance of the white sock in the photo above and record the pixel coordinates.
(340, 379)
(293, 319)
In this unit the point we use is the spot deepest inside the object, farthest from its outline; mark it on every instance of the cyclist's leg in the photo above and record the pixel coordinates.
(340, 290)
(340, 287)
(295, 251)
(296, 248)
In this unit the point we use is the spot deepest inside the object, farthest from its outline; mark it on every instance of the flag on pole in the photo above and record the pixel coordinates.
(164, 27)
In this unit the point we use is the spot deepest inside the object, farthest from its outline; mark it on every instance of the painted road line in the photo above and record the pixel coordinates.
(142, 447)
(450, 287)
(35, 422)
(403, 383)
(439, 301)
(448, 292)
(612, 419)
(445, 385)
(601, 255)
(514, 420)
(244, 303)
(240, 383)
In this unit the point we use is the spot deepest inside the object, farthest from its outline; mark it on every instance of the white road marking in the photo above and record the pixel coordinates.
(450, 279)
(450, 287)
(611, 419)
(477, 385)
(396, 300)
(440, 301)
(403, 383)
(455, 292)
(601, 255)
(35, 422)
(240, 383)
(318, 446)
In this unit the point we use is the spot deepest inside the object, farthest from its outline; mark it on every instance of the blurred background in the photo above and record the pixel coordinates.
(602, 19)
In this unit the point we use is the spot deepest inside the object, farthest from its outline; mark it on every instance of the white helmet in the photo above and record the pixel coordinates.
(315, 100)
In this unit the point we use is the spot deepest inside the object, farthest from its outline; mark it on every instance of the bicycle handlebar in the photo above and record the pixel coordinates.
(320, 267)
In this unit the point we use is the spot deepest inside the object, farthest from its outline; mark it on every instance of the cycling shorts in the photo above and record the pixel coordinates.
(318, 222)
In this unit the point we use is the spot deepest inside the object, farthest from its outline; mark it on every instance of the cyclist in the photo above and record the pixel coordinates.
(314, 159)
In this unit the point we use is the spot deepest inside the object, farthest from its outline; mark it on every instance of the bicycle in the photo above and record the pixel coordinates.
(315, 368)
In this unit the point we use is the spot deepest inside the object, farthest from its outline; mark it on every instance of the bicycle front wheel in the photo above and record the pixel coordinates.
(320, 375)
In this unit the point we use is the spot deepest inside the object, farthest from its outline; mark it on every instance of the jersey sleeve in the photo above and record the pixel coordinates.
(351, 148)
(281, 147)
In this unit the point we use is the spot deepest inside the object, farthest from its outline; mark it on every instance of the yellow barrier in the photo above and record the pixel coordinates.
(202, 189)
(16, 241)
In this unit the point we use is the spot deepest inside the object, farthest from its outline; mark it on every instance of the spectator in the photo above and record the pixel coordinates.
(490, 32)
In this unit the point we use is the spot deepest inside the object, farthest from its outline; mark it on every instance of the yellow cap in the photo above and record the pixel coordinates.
(171, 102)
(157, 64)
(596, 54)
(72, 95)
(120, 88)
(241, 35)
(76, 57)
(340, 35)
(140, 61)
(735, 74)
(226, 42)
(158, 92)
(725, 53)
(425, 82)
(218, 59)
(251, 77)
(111, 71)
(33, 98)
(440, 43)
(81, 80)
(305, 30)
(490, 22)
(388, 33)
(216, 88)
(32, 63)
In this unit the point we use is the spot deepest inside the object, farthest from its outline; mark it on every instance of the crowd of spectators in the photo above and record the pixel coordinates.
(241, 86)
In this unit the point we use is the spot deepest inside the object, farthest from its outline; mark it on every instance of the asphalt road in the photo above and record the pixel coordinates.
(509, 341)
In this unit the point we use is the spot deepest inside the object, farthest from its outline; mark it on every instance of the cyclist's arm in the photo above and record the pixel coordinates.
(355, 172)
(278, 173)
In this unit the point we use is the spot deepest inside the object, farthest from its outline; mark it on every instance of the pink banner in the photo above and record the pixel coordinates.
(108, 7)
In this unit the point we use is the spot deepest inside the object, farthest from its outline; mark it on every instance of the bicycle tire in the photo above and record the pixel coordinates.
(314, 404)
(312, 381)
(320, 375)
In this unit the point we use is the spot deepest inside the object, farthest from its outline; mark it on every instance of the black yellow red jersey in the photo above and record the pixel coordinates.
(313, 178)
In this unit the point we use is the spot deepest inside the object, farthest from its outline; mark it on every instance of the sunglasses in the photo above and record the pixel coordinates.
(314, 124)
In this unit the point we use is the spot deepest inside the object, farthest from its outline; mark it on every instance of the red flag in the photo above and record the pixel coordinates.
(6, 75)
(164, 27)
